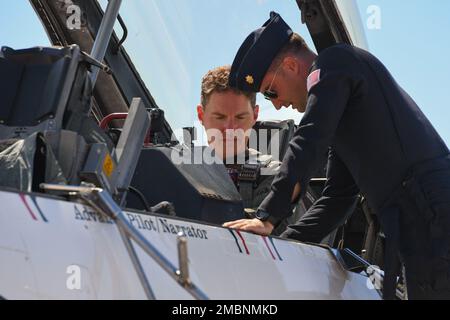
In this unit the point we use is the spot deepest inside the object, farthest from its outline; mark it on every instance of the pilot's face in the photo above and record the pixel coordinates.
(228, 118)
(285, 87)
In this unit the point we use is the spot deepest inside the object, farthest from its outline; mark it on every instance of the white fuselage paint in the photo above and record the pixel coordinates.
(42, 239)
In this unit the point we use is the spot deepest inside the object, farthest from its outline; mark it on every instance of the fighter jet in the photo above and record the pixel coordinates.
(93, 205)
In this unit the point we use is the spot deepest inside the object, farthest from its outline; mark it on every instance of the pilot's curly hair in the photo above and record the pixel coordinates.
(216, 80)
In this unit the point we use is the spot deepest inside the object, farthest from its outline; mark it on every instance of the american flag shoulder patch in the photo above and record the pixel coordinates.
(313, 79)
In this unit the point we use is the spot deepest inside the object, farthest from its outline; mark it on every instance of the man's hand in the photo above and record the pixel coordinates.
(296, 193)
(251, 225)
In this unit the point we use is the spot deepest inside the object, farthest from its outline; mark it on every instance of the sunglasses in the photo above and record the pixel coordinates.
(271, 94)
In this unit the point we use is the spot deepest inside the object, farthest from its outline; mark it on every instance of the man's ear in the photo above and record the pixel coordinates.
(200, 113)
(256, 113)
(291, 64)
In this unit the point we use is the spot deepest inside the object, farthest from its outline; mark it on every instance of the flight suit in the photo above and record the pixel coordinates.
(254, 186)
(381, 145)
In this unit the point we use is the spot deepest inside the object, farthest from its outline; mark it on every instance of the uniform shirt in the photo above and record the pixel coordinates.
(372, 131)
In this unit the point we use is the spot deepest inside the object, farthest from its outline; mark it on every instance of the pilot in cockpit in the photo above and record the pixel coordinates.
(228, 116)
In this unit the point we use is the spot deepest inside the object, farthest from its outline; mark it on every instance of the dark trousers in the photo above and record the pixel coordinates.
(417, 226)
(425, 253)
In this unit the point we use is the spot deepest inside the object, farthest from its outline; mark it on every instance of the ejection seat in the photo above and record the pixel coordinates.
(269, 134)
(44, 89)
(45, 128)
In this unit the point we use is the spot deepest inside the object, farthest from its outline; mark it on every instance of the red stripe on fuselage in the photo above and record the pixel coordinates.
(267, 245)
(22, 197)
(243, 241)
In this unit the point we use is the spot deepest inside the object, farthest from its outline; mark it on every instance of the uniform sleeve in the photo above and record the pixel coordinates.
(337, 203)
(327, 101)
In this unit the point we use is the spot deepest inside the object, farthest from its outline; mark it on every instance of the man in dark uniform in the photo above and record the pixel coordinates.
(379, 144)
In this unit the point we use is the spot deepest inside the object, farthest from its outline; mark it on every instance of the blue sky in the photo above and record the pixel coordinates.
(172, 48)
(414, 43)
(19, 25)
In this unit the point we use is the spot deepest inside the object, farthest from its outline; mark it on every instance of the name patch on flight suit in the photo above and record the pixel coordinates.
(313, 79)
